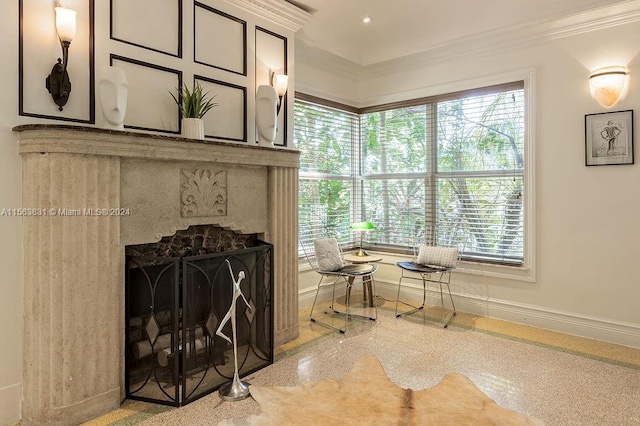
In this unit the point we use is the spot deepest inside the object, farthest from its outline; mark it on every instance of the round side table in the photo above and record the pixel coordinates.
(367, 289)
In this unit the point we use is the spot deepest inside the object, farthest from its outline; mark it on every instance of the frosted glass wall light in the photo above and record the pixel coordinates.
(608, 84)
(58, 82)
(280, 82)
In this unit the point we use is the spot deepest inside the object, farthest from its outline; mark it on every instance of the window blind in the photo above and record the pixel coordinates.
(327, 139)
(448, 162)
(455, 164)
(480, 173)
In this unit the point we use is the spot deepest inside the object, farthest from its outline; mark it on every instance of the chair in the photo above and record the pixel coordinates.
(325, 257)
(433, 261)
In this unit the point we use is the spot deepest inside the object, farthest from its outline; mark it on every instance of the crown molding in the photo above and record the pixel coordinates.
(512, 38)
(318, 58)
(323, 94)
(278, 11)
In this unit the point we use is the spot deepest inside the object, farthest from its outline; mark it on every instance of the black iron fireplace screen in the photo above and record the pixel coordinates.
(174, 306)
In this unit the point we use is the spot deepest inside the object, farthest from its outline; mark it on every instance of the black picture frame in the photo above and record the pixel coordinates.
(609, 138)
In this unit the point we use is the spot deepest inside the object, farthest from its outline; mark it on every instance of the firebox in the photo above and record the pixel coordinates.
(177, 293)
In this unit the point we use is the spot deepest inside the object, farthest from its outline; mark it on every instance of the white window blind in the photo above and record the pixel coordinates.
(454, 161)
(326, 138)
(480, 170)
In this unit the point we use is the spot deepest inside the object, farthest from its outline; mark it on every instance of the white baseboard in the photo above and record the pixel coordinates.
(10, 404)
(605, 330)
(306, 296)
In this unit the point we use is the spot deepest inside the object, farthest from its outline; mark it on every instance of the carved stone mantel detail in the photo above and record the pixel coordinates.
(204, 193)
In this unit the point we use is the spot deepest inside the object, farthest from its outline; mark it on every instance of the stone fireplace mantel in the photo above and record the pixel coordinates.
(90, 192)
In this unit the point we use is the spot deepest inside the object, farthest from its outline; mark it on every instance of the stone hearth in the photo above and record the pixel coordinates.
(93, 192)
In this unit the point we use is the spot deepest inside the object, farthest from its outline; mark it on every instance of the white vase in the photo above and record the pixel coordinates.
(193, 128)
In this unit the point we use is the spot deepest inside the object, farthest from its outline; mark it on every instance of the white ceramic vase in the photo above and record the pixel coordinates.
(193, 128)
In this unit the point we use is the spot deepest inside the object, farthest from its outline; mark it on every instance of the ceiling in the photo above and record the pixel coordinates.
(403, 27)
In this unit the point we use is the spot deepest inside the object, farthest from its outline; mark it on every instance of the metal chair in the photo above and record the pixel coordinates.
(433, 266)
(350, 275)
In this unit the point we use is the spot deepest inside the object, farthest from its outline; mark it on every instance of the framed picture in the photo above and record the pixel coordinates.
(609, 138)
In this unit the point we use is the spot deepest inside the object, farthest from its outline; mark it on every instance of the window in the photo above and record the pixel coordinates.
(326, 138)
(451, 161)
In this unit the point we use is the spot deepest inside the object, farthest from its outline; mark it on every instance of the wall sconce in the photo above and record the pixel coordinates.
(58, 82)
(280, 83)
(362, 227)
(608, 84)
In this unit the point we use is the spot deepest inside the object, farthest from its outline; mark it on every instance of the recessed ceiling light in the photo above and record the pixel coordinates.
(366, 19)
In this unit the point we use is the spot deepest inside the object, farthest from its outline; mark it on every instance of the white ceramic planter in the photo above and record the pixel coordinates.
(193, 128)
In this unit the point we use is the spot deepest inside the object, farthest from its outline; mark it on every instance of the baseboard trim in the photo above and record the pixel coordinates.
(10, 404)
(621, 333)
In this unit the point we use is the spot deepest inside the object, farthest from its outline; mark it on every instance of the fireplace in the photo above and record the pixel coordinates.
(149, 187)
(177, 293)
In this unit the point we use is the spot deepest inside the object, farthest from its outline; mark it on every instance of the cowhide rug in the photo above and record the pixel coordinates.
(367, 396)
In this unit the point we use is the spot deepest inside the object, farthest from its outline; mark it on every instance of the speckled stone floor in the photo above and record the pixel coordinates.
(560, 379)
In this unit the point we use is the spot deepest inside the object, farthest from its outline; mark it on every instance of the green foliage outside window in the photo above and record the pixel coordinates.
(455, 163)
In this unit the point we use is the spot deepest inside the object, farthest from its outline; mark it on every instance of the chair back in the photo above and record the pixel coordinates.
(443, 236)
(305, 239)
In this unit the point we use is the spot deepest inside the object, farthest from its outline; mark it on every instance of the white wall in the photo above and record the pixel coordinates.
(586, 217)
(10, 228)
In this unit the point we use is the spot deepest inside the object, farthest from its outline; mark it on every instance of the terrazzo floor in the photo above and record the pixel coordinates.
(558, 378)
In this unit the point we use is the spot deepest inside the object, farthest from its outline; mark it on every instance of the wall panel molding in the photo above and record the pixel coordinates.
(38, 38)
(163, 34)
(149, 87)
(227, 121)
(219, 39)
(271, 56)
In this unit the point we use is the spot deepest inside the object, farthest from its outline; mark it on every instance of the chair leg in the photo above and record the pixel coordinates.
(446, 318)
(347, 302)
(333, 300)
(333, 297)
(315, 299)
(347, 313)
(398, 296)
(415, 309)
(370, 283)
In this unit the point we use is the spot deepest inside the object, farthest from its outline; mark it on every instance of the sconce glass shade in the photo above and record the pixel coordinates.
(608, 84)
(280, 82)
(65, 23)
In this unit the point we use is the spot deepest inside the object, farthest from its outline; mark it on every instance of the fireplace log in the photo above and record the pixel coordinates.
(143, 348)
(165, 356)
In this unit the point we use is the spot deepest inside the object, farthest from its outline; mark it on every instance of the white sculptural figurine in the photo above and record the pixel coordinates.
(231, 313)
(235, 390)
(266, 114)
(113, 88)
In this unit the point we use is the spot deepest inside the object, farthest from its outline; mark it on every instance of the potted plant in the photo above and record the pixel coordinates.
(193, 105)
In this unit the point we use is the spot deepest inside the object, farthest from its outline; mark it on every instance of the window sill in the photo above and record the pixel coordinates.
(515, 273)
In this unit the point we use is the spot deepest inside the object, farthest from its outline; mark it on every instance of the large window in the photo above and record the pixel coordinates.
(452, 161)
